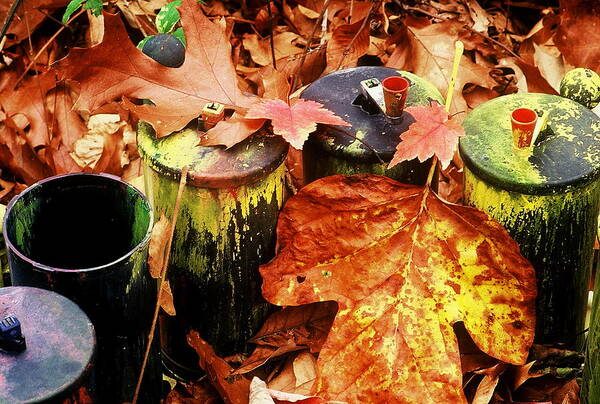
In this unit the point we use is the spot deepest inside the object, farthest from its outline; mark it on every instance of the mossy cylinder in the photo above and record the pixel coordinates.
(86, 237)
(225, 229)
(349, 150)
(546, 196)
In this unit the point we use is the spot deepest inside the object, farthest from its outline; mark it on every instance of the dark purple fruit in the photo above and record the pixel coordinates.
(165, 49)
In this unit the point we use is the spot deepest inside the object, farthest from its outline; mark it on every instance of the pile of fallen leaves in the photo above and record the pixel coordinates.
(71, 94)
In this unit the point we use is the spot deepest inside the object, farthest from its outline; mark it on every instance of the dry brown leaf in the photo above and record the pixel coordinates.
(116, 68)
(233, 390)
(578, 34)
(260, 49)
(486, 387)
(288, 330)
(348, 42)
(431, 54)
(289, 382)
(157, 247)
(231, 131)
(28, 16)
(166, 298)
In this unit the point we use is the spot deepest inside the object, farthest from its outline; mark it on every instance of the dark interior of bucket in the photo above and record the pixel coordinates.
(78, 222)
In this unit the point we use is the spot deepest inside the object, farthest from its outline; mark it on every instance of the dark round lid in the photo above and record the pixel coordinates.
(59, 342)
(211, 166)
(566, 154)
(340, 92)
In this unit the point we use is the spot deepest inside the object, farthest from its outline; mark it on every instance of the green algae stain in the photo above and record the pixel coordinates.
(556, 233)
(567, 151)
(421, 91)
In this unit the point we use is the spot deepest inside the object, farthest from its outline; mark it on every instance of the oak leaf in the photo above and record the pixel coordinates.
(294, 123)
(578, 37)
(116, 68)
(404, 266)
(429, 53)
(432, 132)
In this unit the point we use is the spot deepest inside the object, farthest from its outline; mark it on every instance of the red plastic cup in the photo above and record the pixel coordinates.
(523, 124)
(395, 92)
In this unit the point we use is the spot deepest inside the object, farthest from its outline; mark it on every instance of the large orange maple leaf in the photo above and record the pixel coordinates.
(116, 68)
(404, 266)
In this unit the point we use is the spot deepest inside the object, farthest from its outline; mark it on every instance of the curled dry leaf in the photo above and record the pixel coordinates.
(157, 247)
(432, 133)
(294, 123)
(288, 330)
(403, 266)
(298, 375)
(166, 298)
(261, 394)
(233, 390)
(431, 54)
(116, 68)
(486, 387)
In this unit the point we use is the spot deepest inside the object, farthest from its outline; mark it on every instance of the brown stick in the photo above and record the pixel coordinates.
(48, 42)
(308, 43)
(363, 25)
(271, 41)
(163, 276)
(9, 18)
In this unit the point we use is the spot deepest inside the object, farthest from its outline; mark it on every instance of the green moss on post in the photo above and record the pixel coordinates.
(225, 230)
(548, 199)
(329, 151)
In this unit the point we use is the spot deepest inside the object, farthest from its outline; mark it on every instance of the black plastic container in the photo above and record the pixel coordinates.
(335, 150)
(86, 237)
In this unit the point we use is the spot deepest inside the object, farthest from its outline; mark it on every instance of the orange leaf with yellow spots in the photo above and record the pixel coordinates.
(403, 266)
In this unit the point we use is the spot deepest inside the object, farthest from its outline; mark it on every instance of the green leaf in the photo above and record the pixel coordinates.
(94, 5)
(71, 8)
(143, 42)
(179, 34)
(167, 17)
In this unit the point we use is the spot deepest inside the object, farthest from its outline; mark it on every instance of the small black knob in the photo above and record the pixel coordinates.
(11, 336)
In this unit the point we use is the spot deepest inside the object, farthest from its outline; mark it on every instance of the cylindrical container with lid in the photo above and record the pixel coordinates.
(224, 231)
(86, 237)
(330, 150)
(47, 347)
(547, 198)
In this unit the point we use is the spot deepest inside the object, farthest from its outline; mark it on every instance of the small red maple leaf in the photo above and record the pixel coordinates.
(433, 132)
(294, 123)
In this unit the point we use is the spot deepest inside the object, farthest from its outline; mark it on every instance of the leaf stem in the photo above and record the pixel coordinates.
(43, 48)
(434, 164)
(163, 276)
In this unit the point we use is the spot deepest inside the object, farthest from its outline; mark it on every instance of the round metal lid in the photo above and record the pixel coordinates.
(60, 344)
(566, 154)
(340, 92)
(211, 166)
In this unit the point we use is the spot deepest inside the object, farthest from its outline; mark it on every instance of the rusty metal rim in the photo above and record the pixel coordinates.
(42, 267)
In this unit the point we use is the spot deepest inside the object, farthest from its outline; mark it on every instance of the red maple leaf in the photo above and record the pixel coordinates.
(433, 132)
(294, 123)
